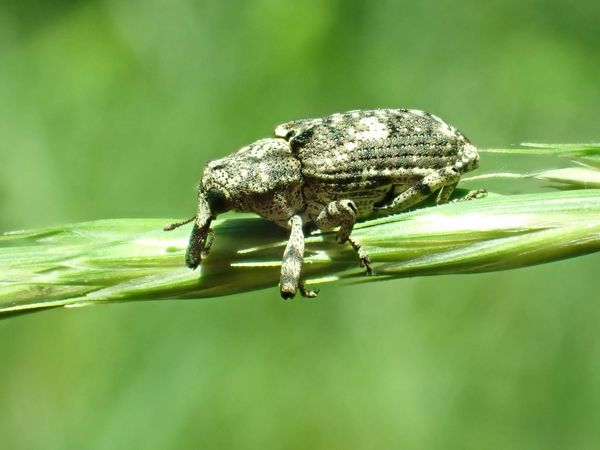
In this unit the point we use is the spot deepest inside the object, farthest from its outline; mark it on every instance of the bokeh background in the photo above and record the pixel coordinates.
(110, 109)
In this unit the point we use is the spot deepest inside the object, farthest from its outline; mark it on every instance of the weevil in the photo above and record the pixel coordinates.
(330, 172)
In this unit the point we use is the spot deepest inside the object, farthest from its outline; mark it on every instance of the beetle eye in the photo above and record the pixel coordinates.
(216, 201)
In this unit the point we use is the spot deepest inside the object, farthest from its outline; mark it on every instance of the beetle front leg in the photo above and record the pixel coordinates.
(444, 179)
(291, 266)
(343, 213)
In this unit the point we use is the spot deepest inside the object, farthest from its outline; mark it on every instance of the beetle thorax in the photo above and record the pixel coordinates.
(263, 177)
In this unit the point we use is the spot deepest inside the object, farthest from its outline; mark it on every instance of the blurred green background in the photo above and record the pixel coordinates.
(110, 109)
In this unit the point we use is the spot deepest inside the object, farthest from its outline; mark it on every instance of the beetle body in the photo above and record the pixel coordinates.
(330, 172)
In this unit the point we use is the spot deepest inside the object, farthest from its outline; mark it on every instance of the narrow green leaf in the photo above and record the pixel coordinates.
(133, 259)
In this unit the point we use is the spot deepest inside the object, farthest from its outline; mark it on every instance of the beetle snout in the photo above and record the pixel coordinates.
(193, 254)
(191, 261)
(200, 242)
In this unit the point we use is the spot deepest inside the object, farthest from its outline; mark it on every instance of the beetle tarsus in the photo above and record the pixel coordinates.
(307, 293)
(365, 261)
(473, 195)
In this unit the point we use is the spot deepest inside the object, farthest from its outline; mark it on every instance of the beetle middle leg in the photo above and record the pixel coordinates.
(444, 179)
(343, 213)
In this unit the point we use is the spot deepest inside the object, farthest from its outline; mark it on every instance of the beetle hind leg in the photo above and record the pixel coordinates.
(473, 195)
(444, 179)
(445, 193)
(342, 213)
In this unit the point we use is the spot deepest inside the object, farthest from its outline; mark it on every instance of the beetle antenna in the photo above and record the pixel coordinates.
(172, 226)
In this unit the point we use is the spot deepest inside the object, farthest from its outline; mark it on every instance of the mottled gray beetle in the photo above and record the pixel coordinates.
(330, 172)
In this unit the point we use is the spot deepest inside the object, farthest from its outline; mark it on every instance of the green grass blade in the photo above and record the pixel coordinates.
(133, 259)
(587, 152)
